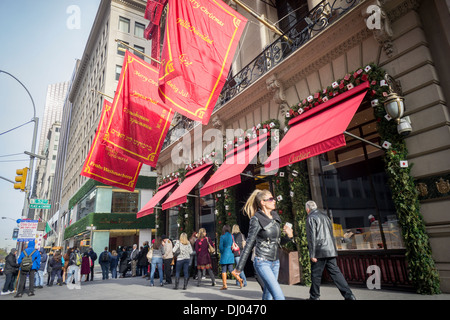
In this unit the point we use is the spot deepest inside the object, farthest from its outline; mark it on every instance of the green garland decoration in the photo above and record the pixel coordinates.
(422, 271)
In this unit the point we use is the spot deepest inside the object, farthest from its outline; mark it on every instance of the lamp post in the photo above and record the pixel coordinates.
(33, 147)
(395, 107)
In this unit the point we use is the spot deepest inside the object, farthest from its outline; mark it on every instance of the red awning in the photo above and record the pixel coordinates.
(229, 173)
(179, 196)
(317, 131)
(162, 191)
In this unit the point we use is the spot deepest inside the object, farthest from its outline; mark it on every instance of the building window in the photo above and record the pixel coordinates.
(140, 49)
(139, 29)
(124, 202)
(87, 204)
(118, 71)
(119, 46)
(124, 24)
(355, 191)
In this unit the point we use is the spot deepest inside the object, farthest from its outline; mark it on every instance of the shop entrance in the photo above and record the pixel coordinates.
(243, 191)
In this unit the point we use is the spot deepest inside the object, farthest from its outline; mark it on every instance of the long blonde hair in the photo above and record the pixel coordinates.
(201, 233)
(183, 238)
(254, 202)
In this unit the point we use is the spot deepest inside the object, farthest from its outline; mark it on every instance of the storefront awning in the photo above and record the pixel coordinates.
(229, 173)
(179, 196)
(317, 131)
(162, 191)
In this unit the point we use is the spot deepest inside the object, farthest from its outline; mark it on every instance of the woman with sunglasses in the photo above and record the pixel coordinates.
(264, 234)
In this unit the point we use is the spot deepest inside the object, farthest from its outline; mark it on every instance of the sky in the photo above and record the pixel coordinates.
(39, 44)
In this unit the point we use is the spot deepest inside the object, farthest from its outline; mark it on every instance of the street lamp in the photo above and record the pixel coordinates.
(395, 107)
(33, 145)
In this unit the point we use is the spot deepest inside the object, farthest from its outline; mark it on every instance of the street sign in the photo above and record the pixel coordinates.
(27, 230)
(38, 201)
(40, 206)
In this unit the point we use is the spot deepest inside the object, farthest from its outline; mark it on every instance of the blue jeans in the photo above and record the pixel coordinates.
(155, 262)
(185, 265)
(242, 274)
(268, 272)
(105, 270)
(39, 278)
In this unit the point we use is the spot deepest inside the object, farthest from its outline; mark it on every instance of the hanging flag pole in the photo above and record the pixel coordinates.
(103, 94)
(262, 20)
(136, 50)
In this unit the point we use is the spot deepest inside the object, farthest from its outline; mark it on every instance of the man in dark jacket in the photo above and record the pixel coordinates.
(39, 276)
(11, 270)
(323, 252)
(93, 256)
(36, 256)
(104, 261)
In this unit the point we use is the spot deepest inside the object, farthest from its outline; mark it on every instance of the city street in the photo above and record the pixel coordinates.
(138, 289)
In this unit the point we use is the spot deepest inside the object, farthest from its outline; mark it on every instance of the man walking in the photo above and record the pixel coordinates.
(11, 270)
(323, 252)
(29, 261)
(93, 256)
(104, 260)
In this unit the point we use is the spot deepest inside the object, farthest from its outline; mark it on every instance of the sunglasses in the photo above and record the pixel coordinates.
(269, 199)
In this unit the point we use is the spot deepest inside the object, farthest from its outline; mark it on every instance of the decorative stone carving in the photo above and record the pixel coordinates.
(275, 87)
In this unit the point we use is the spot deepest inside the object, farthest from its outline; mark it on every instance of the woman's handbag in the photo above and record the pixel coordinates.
(235, 247)
(211, 249)
(150, 254)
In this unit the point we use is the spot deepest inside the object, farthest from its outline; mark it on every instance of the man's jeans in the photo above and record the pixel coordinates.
(268, 272)
(105, 270)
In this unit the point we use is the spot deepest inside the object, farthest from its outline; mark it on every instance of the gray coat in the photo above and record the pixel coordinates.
(319, 232)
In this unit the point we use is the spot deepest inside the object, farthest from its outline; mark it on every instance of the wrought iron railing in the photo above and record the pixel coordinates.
(316, 20)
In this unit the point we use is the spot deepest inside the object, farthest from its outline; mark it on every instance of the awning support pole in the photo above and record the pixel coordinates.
(363, 140)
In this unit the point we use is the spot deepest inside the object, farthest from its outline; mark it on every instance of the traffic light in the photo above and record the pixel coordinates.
(21, 179)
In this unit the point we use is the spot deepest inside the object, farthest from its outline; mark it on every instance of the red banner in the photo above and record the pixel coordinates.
(200, 41)
(139, 120)
(105, 165)
(153, 12)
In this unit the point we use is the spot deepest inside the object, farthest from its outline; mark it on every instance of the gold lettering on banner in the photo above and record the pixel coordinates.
(197, 5)
(187, 25)
(145, 78)
(135, 142)
(114, 154)
(141, 96)
(298, 157)
(184, 60)
(175, 89)
(110, 171)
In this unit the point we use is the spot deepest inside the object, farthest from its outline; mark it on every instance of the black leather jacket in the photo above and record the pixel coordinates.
(319, 232)
(265, 235)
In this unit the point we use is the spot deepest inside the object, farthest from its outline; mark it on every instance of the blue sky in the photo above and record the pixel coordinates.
(38, 48)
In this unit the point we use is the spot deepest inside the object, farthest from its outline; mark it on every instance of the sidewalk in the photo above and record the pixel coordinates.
(138, 289)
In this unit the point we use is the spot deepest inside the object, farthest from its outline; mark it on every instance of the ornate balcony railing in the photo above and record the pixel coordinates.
(316, 20)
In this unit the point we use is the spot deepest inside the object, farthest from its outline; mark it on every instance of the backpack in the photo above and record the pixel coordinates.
(105, 257)
(77, 258)
(27, 262)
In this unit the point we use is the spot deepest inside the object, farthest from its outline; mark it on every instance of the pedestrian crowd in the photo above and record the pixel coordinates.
(165, 258)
